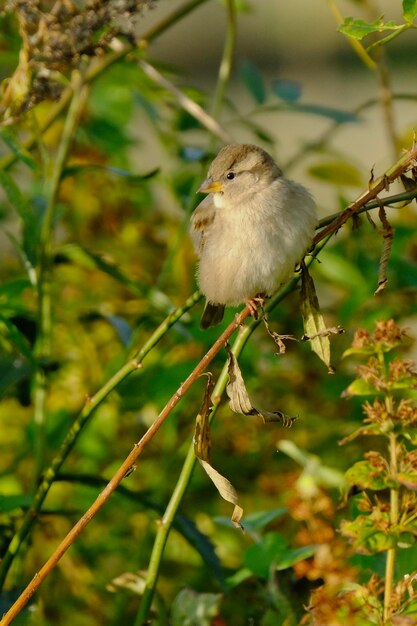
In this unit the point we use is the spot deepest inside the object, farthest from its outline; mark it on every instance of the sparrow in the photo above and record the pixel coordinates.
(250, 231)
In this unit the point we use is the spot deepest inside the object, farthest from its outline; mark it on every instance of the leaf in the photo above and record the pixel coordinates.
(239, 398)
(273, 553)
(21, 153)
(338, 173)
(368, 534)
(258, 521)
(358, 29)
(367, 476)
(8, 329)
(190, 608)
(76, 254)
(387, 233)
(313, 320)
(16, 198)
(13, 502)
(337, 115)
(409, 10)
(359, 387)
(73, 170)
(252, 78)
(202, 445)
(288, 90)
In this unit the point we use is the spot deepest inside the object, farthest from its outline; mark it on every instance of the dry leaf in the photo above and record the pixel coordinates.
(279, 339)
(239, 398)
(388, 235)
(331, 330)
(202, 446)
(314, 326)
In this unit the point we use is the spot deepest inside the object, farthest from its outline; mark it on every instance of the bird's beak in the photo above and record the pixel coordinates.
(210, 186)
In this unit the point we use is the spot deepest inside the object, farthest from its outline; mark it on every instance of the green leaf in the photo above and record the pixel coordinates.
(273, 553)
(314, 326)
(336, 115)
(11, 332)
(76, 254)
(359, 387)
(258, 521)
(73, 170)
(13, 502)
(190, 608)
(12, 372)
(409, 10)
(21, 153)
(366, 476)
(262, 556)
(365, 535)
(358, 29)
(339, 173)
(16, 198)
(252, 78)
(288, 90)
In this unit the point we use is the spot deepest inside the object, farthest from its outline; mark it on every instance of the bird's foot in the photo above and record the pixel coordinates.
(253, 303)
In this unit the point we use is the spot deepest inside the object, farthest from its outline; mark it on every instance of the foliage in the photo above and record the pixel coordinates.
(98, 333)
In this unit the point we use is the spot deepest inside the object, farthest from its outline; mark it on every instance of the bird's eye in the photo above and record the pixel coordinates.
(230, 175)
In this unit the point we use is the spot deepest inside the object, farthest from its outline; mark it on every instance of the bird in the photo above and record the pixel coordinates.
(250, 231)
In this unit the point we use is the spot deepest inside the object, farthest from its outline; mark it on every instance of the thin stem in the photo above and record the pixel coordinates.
(356, 45)
(394, 516)
(227, 60)
(378, 185)
(44, 281)
(86, 413)
(186, 103)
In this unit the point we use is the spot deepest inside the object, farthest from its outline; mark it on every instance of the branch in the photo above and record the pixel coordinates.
(382, 183)
(187, 103)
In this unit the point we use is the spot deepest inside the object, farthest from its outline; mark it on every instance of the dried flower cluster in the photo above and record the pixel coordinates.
(56, 35)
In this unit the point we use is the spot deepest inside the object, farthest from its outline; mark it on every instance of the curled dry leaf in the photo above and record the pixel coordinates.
(239, 398)
(202, 447)
(326, 332)
(387, 233)
(279, 339)
(314, 326)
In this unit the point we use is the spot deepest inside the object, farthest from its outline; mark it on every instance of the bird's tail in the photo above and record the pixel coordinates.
(212, 315)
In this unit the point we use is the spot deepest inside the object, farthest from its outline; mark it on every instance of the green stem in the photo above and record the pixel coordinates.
(185, 476)
(226, 61)
(394, 514)
(44, 282)
(89, 408)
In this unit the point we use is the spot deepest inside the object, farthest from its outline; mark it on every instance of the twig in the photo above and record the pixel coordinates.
(381, 183)
(187, 103)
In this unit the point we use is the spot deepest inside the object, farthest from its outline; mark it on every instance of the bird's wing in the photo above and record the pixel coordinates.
(201, 220)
